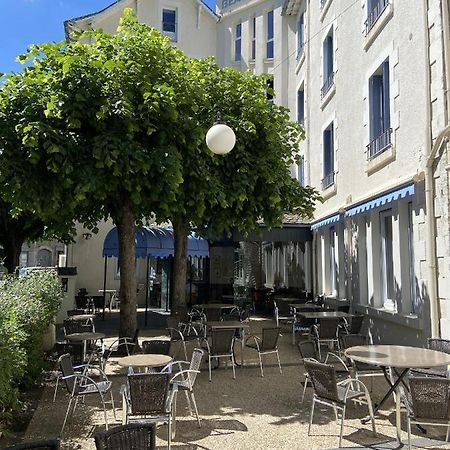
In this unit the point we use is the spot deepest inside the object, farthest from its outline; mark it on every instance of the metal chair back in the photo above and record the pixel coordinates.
(353, 340)
(269, 338)
(149, 393)
(213, 314)
(356, 324)
(307, 350)
(323, 379)
(221, 341)
(156, 346)
(440, 345)
(136, 436)
(196, 361)
(328, 328)
(172, 324)
(430, 398)
(66, 368)
(75, 326)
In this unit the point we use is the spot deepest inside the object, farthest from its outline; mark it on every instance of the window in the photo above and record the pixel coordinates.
(412, 273)
(238, 42)
(374, 10)
(169, 23)
(301, 105)
(270, 31)
(379, 114)
(328, 157)
(328, 64)
(300, 36)
(387, 260)
(253, 39)
(301, 171)
(333, 266)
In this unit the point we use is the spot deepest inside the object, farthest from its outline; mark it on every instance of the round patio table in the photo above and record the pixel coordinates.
(81, 317)
(146, 360)
(397, 357)
(84, 338)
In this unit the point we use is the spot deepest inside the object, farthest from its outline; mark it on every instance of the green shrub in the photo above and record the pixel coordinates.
(27, 306)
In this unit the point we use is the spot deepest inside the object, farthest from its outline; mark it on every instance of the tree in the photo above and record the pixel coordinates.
(251, 183)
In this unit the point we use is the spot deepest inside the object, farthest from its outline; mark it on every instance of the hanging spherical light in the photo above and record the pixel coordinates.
(220, 138)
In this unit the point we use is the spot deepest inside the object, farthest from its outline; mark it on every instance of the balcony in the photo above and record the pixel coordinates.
(374, 15)
(328, 180)
(329, 82)
(380, 144)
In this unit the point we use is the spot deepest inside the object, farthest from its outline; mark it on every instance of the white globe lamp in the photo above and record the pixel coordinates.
(220, 139)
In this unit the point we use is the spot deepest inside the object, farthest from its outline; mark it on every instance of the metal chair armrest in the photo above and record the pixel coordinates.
(176, 330)
(338, 358)
(348, 383)
(183, 372)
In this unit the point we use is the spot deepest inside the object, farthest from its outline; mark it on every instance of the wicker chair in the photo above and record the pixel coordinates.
(268, 344)
(136, 436)
(222, 342)
(184, 379)
(182, 332)
(74, 312)
(156, 346)
(440, 345)
(148, 398)
(328, 391)
(430, 403)
(75, 326)
(79, 384)
(308, 350)
(326, 333)
(124, 346)
(50, 444)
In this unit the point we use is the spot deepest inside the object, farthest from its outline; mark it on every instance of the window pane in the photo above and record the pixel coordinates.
(169, 20)
(270, 49)
(270, 25)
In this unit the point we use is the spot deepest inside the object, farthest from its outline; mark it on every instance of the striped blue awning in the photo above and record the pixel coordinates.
(383, 200)
(326, 222)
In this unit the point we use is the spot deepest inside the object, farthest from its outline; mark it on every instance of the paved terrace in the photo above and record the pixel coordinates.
(247, 413)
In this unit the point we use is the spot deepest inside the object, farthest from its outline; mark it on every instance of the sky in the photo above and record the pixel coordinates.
(25, 22)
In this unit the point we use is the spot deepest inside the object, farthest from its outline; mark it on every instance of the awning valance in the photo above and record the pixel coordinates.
(404, 192)
(327, 221)
(155, 242)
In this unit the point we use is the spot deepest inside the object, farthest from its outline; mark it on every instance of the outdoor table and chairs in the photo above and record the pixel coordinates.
(144, 361)
(85, 338)
(398, 360)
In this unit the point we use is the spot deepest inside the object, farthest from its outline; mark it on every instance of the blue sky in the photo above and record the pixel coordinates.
(25, 22)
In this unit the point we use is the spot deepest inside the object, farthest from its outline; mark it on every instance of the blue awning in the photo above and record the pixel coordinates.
(383, 200)
(325, 222)
(155, 242)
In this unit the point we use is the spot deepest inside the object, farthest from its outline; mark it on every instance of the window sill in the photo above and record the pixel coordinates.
(330, 191)
(328, 96)
(268, 60)
(408, 320)
(300, 63)
(378, 26)
(251, 62)
(325, 8)
(381, 160)
(236, 64)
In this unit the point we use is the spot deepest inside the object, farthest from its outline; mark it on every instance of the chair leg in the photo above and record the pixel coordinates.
(448, 433)
(67, 415)
(104, 412)
(113, 406)
(319, 351)
(305, 383)
(311, 416)
(209, 366)
(279, 364)
(342, 426)
(260, 365)
(186, 393)
(169, 433)
(408, 424)
(372, 417)
(232, 366)
(56, 387)
(185, 352)
(195, 408)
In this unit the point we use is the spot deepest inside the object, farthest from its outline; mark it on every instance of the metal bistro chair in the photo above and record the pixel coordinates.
(156, 347)
(148, 398)
(308, 350)
(326, 333)
(328, 391)
(75, 326)
(283, 313)
(268, 344)
(124, 346)
(440, 345)
(182, 332)
(136, 436)
(184, 379)
(50, 444)
(222, 342)
(430, 403)
(79, 385)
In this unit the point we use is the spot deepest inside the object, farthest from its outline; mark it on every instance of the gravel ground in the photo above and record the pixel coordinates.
(250, 412)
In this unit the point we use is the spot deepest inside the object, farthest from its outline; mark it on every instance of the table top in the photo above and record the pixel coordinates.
(398, 356)
(306, 306)
(82, 317)
(324, 314)
(108, 291)
(289, 299)
(146, 360)
(214, 306)
(226, 324)
(79, 337)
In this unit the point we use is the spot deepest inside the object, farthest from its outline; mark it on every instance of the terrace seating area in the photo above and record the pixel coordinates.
(248, 411)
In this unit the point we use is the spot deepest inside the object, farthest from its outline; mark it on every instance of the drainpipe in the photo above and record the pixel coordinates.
(445, 9)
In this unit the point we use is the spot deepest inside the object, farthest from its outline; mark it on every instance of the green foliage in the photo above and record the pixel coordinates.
(27, 306)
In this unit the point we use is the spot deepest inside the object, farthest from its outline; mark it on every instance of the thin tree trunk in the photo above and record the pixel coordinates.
(180, 234)
(12, 248)
(127, 255)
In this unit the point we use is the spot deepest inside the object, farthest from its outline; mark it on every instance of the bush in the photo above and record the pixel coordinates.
(27, 306)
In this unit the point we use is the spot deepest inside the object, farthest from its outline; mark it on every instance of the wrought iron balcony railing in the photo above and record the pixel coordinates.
(376, 12)
(379, 144)
(328, 180)
(328, 83)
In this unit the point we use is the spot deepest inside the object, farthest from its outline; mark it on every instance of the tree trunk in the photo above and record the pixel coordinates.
(180, 234)
(12, 248)
(127, 255)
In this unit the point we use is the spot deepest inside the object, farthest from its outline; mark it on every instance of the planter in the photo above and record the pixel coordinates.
(49, 338)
